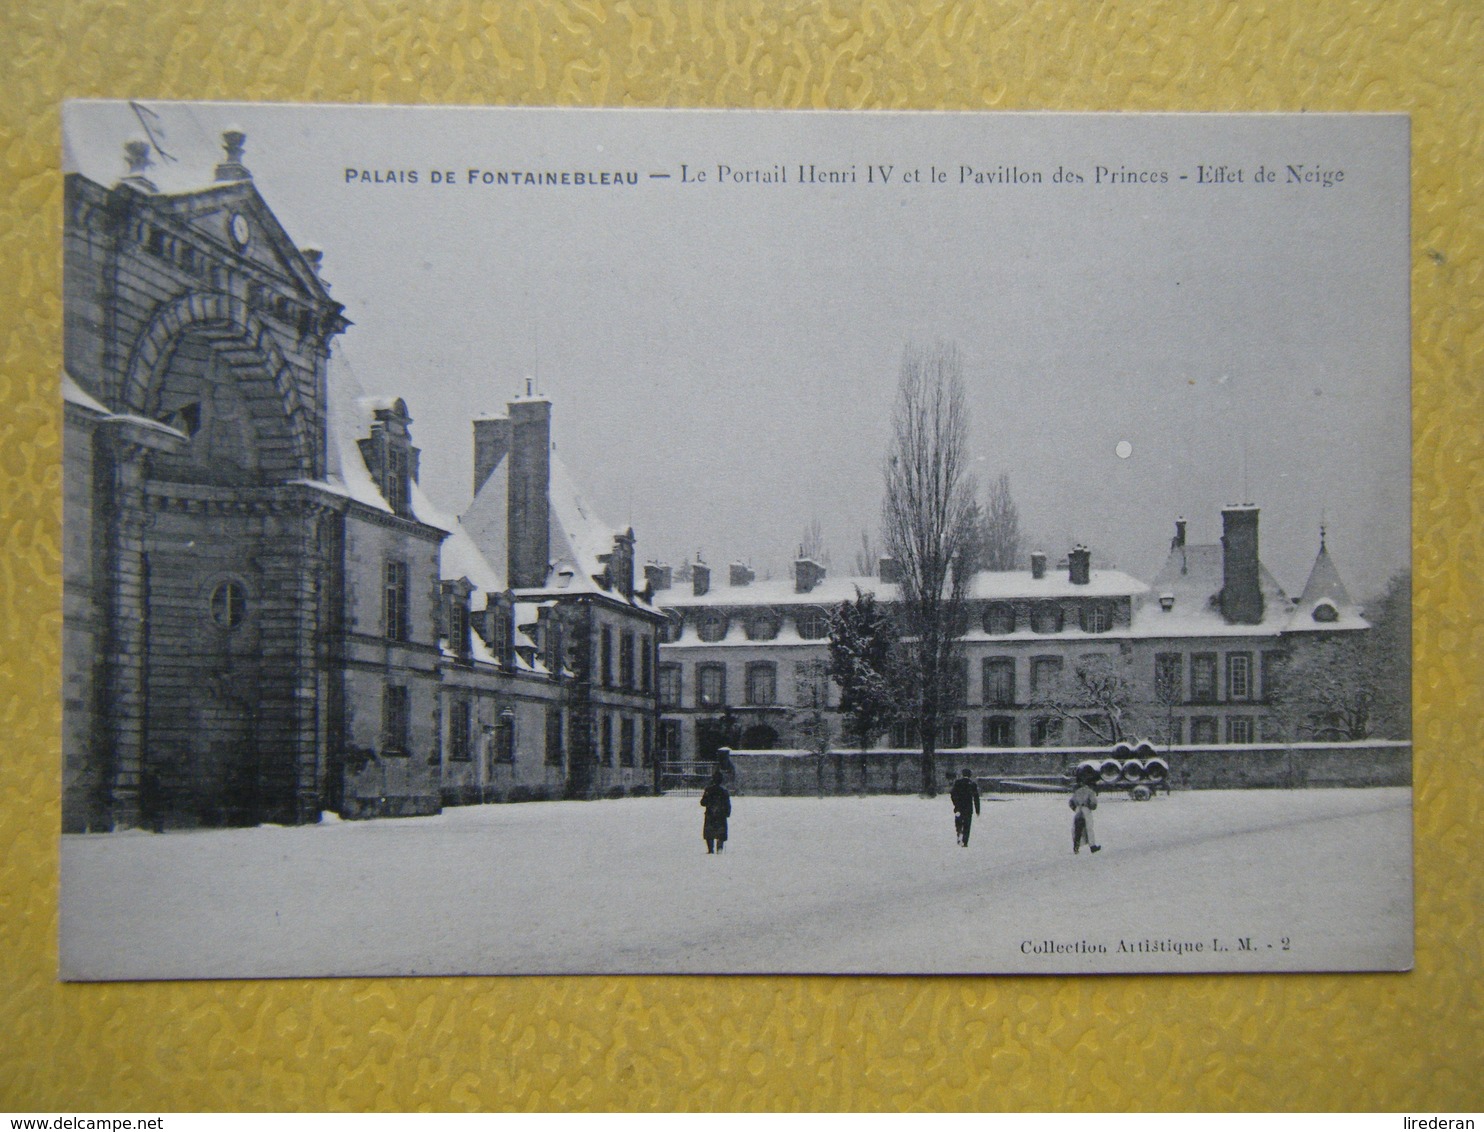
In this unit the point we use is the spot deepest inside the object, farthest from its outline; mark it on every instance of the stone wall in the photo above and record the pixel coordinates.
(797, 773)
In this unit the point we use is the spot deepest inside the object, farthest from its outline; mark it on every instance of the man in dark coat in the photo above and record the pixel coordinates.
(718, 806)
(964, 794)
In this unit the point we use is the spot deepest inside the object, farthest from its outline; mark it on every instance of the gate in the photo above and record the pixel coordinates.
(685, 777)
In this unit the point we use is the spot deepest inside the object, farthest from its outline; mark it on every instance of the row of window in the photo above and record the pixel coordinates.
(621, 738)
(1000, 619)
(1239, 677)
(760, 689)
(763, 625)
(999, 680)
(631, 646)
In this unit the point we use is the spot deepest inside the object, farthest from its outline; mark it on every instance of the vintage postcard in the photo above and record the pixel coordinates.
(507, 541)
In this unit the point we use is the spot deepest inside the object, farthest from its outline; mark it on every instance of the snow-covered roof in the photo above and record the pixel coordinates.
(1325, 605)
(350, 414)
(75, 394)
(577, 537)
(987, 585)
(1188, 583)
(774, 591)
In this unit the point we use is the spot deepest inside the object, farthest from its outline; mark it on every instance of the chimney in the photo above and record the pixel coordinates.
(740, 574)
(807, 574)
(619, 563)
(491, 445)
(1038, 564)
(700, 579)
(528, 515)
(232, 169)
(888, 570)
(1079, 565)
(657, 577)
(1241, 591)
(1179, 540)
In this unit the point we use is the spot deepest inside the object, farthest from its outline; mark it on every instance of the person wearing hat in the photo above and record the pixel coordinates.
(718, 806)
(1083, 801)
(964, 794)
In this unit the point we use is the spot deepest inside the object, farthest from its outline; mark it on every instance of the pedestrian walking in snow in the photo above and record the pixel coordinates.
(718, 806)
(964, 794)
(1083, 801)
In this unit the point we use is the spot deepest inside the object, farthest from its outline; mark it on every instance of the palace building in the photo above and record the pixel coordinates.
(264, 616)
(1203, 643)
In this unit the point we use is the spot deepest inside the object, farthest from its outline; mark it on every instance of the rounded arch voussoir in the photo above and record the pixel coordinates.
(227, 320)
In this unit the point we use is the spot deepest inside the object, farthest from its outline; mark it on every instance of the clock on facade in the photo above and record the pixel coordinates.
(239, 230)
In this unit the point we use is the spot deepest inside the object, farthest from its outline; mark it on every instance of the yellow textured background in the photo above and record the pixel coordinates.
(1240, 1042)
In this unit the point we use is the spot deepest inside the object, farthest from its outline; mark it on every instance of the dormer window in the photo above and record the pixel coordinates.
(396, 488)
(1326, 613)
(712, 627)
(455, 617)
(1046, 617)
(762, 626)
(389, 455)
(999, 619)
(812, 624)
(1096, 618)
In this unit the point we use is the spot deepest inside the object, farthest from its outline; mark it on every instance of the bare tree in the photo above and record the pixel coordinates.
(867, 557)
(811, 544)
(811, 719)
(928, 523)
(1000, 528)
(1099, 693)
(1327, 690)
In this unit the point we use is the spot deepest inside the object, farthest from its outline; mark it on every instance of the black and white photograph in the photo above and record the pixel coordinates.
(535, 541)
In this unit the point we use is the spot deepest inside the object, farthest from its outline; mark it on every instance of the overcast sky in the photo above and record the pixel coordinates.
(722, 357)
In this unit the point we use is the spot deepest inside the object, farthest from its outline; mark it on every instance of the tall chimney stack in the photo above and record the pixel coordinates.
(1241, 589)
(529, 518)
(491, 445)
(807, 574)
(700, 578)
(1079, 565)
(1179, 539)
(657, 577)
(1038, 564)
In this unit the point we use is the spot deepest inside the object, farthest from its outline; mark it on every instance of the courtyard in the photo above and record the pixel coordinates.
(1195, 881)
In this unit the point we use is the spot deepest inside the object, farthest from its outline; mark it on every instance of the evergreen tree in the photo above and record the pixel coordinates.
(864, 663)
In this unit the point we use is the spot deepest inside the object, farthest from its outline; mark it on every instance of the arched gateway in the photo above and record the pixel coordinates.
(199, 606)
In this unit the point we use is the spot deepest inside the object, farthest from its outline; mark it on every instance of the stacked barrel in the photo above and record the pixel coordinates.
(1136, 768)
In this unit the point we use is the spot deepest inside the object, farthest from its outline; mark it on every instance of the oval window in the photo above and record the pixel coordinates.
(228, 605)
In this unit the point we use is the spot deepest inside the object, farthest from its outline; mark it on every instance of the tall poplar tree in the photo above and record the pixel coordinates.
(928, 520)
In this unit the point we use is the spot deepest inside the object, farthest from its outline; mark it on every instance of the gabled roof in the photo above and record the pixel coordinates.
(578, 538)
(1325, 604)
(1193, 576)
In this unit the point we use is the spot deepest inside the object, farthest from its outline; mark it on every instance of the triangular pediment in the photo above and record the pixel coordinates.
(234, 216)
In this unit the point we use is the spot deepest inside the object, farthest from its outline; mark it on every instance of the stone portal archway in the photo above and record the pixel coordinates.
(244, 344)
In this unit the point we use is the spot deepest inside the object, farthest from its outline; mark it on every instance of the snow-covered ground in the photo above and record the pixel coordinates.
(1315, 880)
